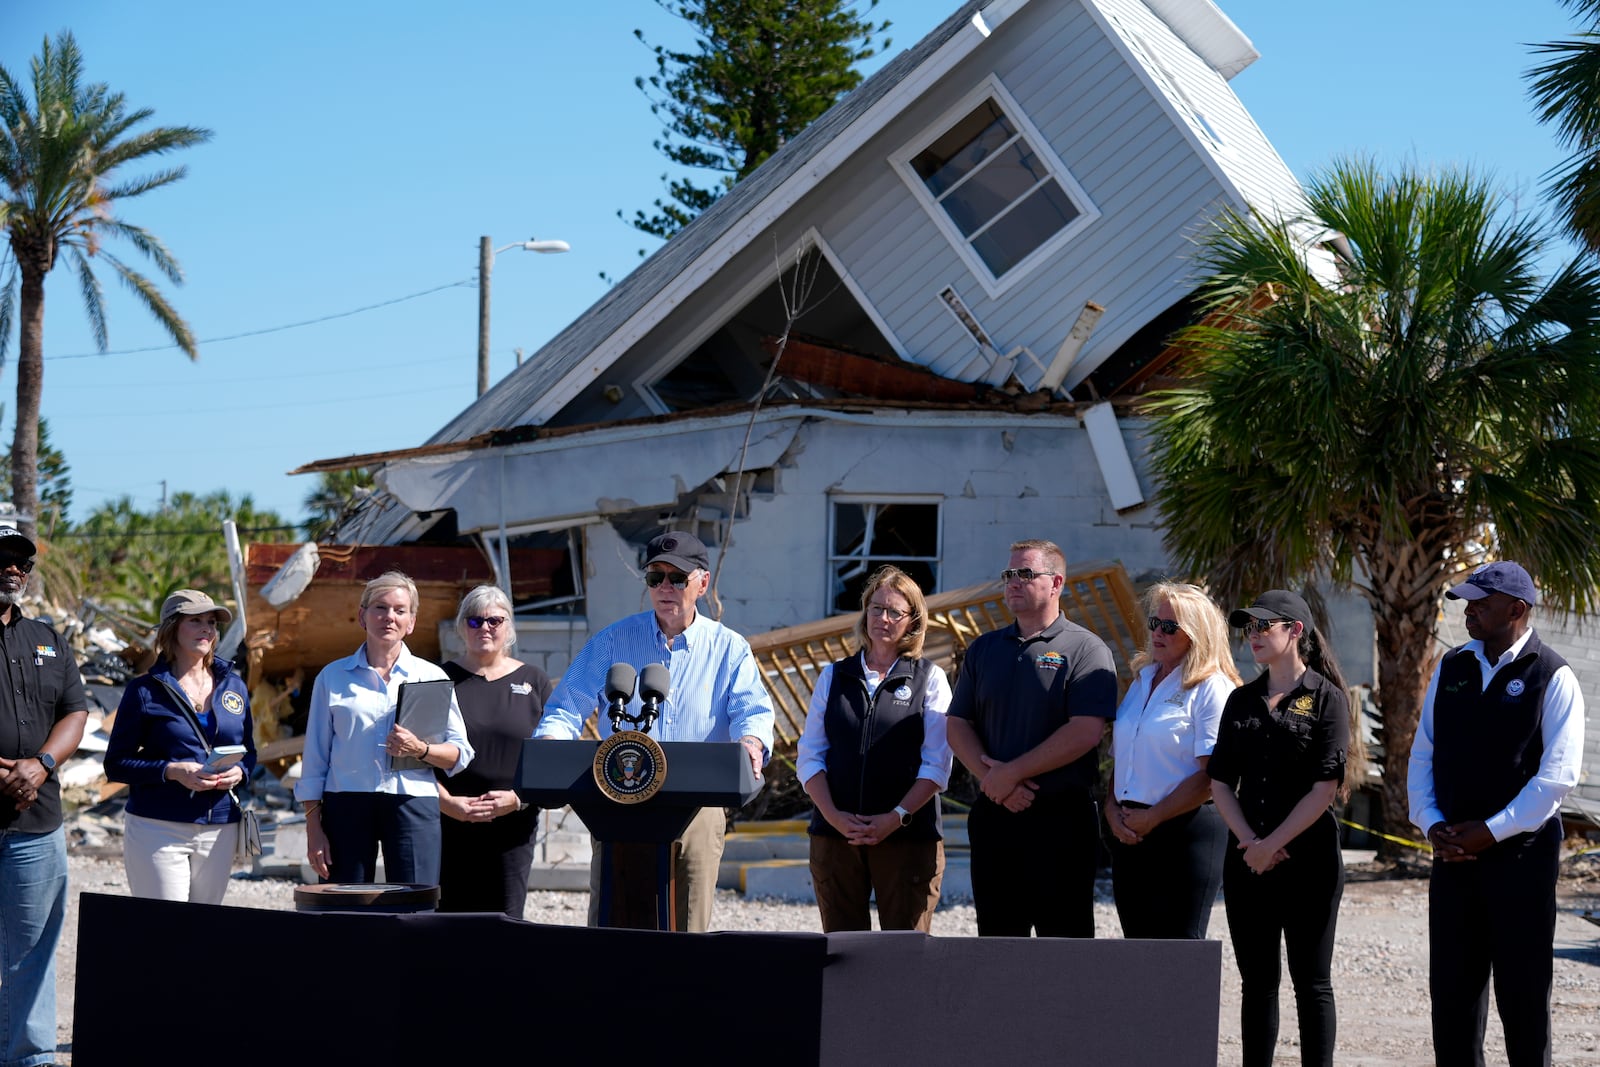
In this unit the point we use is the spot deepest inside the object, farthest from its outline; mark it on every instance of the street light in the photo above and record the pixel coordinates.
(486, 256)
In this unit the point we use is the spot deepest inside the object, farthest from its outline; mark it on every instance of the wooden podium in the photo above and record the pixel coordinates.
(638, 852)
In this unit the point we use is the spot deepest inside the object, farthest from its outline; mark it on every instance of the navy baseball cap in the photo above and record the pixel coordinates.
(1274, 604)
(683, 550)
(1503, 577)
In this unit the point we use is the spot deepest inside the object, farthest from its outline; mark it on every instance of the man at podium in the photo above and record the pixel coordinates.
(716, 695)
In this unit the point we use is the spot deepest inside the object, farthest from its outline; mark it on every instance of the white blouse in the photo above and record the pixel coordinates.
(1161, 736)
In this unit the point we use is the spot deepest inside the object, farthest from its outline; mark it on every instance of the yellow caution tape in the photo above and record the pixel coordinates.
(1420, 846)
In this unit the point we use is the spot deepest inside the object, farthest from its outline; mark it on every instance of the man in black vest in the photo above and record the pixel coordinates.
(1498, 745)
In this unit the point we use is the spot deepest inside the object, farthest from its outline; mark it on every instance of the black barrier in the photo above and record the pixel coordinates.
(372, 989)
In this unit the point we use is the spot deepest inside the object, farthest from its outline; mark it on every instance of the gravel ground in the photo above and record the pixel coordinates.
(1380, 964)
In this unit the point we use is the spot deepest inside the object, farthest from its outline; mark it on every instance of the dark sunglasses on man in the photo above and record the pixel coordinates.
(655, 578)
(1023, 574)
(22, 563)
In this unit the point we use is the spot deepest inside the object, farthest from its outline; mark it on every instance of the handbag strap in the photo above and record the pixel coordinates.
(182, 700)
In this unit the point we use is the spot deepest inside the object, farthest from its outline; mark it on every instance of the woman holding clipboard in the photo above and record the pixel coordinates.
(182, 740)
(366, 780)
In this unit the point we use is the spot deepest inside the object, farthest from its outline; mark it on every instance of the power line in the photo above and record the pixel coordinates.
(272, 329)
(177, 533)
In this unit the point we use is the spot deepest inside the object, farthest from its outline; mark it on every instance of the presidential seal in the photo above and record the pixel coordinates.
(630, 767)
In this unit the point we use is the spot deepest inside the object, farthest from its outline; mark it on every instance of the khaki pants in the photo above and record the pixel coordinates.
(698, 862)
(905, 875)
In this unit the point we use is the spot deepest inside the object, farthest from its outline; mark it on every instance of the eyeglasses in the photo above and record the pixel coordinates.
(1023, 574)
(878, 611)
(1261, 626)
(493, 622)
(22, 563)
(677, 578)
(1166, 626)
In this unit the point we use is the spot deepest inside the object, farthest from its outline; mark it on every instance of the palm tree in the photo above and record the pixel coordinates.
(1566, 93)
(60, 158)
(336, 495)
(1386, 394)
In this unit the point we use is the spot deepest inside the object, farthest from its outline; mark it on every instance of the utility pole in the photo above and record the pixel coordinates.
(485, 268)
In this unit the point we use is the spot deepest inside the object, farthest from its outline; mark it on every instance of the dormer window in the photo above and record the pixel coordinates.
(993, 185)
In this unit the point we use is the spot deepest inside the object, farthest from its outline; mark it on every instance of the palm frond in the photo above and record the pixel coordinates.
(156, 304)
(94, 305)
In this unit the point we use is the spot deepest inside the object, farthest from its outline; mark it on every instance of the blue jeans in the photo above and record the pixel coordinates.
(33, 885)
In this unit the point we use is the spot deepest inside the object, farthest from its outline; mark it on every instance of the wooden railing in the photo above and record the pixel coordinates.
(1098, 596)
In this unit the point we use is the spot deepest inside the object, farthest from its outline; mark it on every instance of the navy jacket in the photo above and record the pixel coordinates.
(152, 731)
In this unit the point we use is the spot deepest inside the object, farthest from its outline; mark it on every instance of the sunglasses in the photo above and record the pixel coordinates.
(22, 563)
(1166, 626)
(677, 578)
(493, 622)
(1261, 626)
(1023, 574)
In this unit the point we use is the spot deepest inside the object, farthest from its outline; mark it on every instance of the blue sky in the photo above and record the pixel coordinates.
(361, 149)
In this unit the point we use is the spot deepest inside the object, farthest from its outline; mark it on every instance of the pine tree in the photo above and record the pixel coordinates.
(760, 72)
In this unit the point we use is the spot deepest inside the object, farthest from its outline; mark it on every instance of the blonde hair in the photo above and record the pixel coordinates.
(385, 582)
(1048, 549)
(902, 583)
(486, 596)
(1201, 621)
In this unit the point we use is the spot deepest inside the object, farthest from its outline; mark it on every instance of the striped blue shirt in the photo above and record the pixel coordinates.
(716, 694)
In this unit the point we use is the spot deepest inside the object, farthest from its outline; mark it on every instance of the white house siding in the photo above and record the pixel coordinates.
(1135, 165)
(1246, 156)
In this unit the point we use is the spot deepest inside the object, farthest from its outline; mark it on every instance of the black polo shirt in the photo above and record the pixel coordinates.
(1018, 691)
(39, 687)
(1271, 757)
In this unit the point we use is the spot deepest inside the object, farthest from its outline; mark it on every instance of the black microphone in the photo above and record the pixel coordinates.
(655, 681)
(619, 690)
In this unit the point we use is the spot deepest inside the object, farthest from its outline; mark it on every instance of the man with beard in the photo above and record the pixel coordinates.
(42, 712)
(1498, 745)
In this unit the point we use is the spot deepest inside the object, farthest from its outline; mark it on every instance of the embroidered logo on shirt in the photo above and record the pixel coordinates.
(44, 650)
(232, 703)
(903, 693)
(522, 689)
(1515, 687)
(1050, 661)
(1301, 705)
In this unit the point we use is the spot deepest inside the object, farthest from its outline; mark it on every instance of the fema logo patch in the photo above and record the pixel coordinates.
(232, 703)
(521, 689)
(1516, 687)
(1050, 661)
(903, 693)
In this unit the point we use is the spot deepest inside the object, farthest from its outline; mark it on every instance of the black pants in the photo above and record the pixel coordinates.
(484, 865)
(1296, 902)
(1166, 884)
(407, 828)
(1034, 870)
(1496, 914)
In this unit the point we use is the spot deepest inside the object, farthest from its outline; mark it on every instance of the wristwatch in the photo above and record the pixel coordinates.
(47, 761)
(905, 816)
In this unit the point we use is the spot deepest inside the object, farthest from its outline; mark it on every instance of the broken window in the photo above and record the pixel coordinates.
(993, 180)
(547, 574)
(866, 534)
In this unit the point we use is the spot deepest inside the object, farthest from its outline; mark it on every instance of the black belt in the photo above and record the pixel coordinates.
(1134, 804)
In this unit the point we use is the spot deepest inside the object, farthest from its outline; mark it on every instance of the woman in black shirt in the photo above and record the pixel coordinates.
(1278, 764)
(488, 833)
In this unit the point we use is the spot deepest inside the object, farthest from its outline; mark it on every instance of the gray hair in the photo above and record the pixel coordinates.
(478, 602)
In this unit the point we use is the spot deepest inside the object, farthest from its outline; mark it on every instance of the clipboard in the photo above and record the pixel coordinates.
(424, 709)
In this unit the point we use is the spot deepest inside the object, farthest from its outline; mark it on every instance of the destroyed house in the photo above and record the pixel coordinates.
(943, 294)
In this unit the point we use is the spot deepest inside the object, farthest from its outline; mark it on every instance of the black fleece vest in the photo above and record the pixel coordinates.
(875, 744)
(1487, 745)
